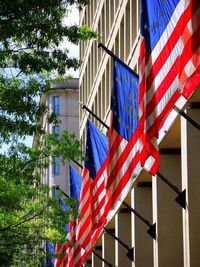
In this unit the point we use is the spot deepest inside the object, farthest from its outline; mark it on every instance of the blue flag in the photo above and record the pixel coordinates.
(49, 249)
(96, 149)
(62, 204)
(75, 183)
(124, 100)
(154, 19)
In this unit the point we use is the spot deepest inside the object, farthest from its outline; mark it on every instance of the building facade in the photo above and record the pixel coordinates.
(177, 239)
(63, 100)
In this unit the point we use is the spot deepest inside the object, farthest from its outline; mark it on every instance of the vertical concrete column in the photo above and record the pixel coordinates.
(108, 248)
(123, 232)
(142, 242)
(190, 149)
(168, 247)
(96, 262)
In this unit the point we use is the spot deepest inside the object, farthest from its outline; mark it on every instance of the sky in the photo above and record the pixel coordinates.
(71, 19)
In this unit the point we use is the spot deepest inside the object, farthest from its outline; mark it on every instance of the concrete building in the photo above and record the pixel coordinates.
(177, 230)
(63, 99)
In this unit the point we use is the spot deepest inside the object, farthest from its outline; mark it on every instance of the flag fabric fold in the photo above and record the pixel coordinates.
(123, 156)
(93, 192)
(168, 67)
(76, 255)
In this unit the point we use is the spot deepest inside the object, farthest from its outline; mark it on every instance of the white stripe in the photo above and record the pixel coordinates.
(164, 71)
(84, 236)
(116, 155)
(167, 32)
(189, 68)
(82, 221)
(100, 197)
(126, 165)
(81, 253)
(124, 192)
(114, 134)
(162, 104)
(86, 196)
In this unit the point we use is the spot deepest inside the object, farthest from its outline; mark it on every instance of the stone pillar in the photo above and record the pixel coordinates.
(108, 248)
(96, 262)
(142, 242)
(123, 232)
(167, 213)
(190, 149)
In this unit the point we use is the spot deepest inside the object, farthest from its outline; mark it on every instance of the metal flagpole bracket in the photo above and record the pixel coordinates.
(152, 231)
(181, 199)
(102, 259)
(152, 227)
(95, 116)
(110, 53)
(130, 253)
(188, 118)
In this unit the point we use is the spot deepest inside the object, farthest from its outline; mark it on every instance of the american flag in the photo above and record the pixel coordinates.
(60, 250)
(165, 64)
(123, 155)
(75, 255)
(93, 193)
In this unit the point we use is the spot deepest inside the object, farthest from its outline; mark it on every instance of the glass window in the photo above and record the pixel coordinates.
(56, 166)
(56, 104)
(56, 129)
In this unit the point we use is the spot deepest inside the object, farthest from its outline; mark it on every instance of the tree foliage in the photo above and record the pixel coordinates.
(30, 35)
(28, 215)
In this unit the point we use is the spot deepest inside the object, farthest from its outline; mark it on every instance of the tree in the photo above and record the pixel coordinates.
(28, 215)
(30, 34)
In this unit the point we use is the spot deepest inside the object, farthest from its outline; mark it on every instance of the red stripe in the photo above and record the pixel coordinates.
(125, 179)
(164, 55)
(123, 157)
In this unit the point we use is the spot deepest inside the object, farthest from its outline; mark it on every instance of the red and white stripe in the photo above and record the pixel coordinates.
(159, 81)
(76, 254)
(123, 166)
(190, 56)
(84, 226)
(93, 219)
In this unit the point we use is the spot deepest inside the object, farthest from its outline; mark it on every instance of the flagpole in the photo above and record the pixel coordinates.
(152, 227)
(130, 250)
(102, 259)
(181, 199)
(100, 45)
(179, 111)
(188, 118)
(96, 117)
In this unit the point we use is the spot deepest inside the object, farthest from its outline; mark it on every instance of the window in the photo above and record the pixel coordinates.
(56, 130)
(56, 166)
(56, 106)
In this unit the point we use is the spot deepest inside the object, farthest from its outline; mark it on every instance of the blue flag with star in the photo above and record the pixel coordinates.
(124, 100)
(155, 16)
(96, 149)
